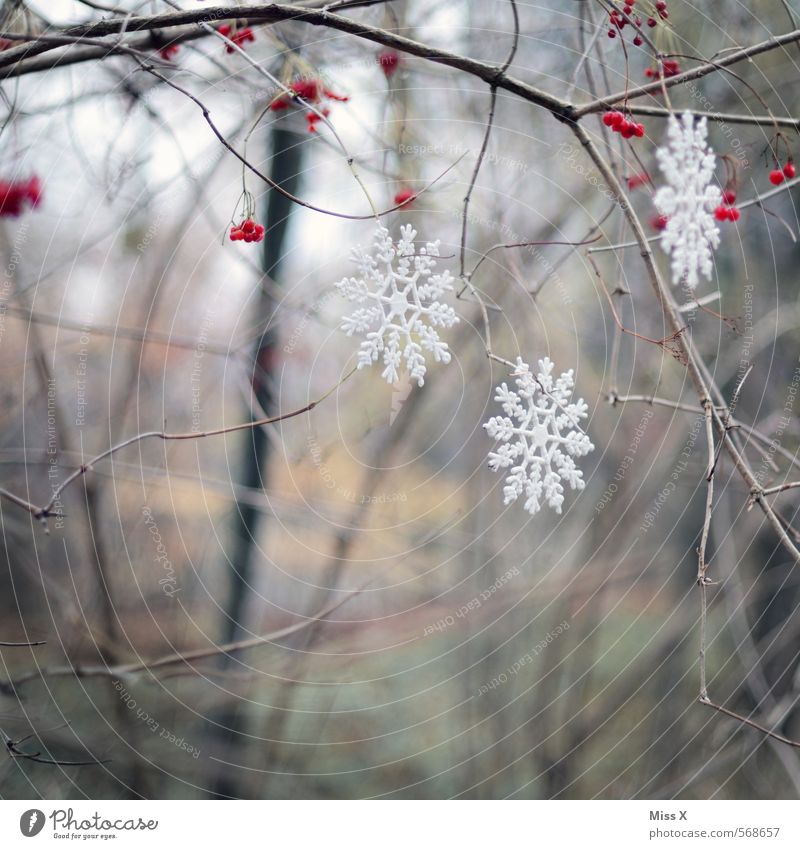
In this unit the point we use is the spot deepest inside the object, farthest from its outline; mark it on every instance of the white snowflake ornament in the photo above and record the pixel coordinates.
(540, 434)
(400, 291)
(689, 198)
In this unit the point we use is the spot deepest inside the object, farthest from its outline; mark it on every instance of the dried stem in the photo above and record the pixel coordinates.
(42, 513)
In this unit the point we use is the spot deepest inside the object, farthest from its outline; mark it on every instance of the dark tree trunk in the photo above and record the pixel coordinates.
(285, 167)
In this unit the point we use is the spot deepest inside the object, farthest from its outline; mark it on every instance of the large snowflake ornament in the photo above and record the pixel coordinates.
(688, 199)
(540, 434)
(400, 292)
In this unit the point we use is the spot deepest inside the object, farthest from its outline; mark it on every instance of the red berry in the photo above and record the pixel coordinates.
(609, 119)
(721, 213)
(405, 197)
(248, 225)
(734, 214)
(244, 35)
(612, 33)
(661, 6)
(389, 60)
(636, 180)
(729, 197)
(638, 130)
(638, 41)
(307, 89)
(659, 222)
(776, 177)
(331, 95)
(238, 37)
(651, 22)
(168, 51)
(789, 170)
(16, 196)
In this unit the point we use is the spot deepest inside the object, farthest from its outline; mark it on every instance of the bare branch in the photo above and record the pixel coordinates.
(180, 658)
(693, 74)
(750, 723)
(42, 513)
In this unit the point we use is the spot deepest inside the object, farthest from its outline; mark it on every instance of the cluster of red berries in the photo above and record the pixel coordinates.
(620, 124)
(669, 68)
(778, 175)
(389, 61)
(17, 195)
(663, 13)
(168, 51)
(239, 37)
(311, 91)
(618, 19)
(726, 211)
(405, 197)
(247, 231)
(307, 89)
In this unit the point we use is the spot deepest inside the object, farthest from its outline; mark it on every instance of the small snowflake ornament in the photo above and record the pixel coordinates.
(688, 200)
(400, 292)
(540, 434)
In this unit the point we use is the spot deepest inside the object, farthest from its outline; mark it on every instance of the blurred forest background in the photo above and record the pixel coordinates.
(465, 649)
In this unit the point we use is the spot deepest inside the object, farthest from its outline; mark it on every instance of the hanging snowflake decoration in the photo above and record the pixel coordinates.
(689, 199)
(400, 291)
(540, 434)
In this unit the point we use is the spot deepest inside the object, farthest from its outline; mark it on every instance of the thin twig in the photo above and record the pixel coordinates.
(146, 66)
(12, 747)
(749, 722)
(126, 669)
(694, 74)
(702, 565)
(663, 343)
(42, 513)
(476, 170)
(722, 117)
